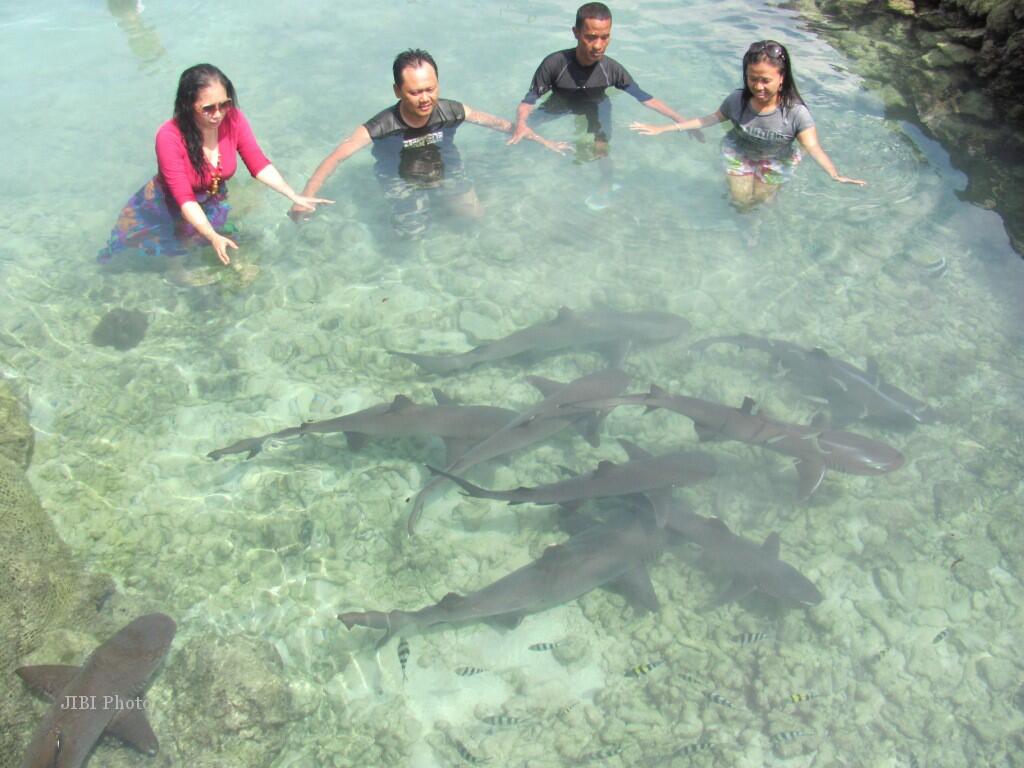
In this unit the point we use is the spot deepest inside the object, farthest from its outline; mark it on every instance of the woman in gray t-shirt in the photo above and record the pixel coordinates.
(767, 115)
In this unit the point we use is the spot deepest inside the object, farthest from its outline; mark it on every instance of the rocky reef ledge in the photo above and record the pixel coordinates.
(953, 67)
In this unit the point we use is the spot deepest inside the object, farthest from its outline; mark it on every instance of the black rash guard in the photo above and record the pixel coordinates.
(416, 154)
(563, 74)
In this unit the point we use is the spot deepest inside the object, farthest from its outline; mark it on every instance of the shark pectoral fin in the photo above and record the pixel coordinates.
(771, 546)
(660, 501)
(872, 370)
(546, 387)
(132, 727)
(47, 679)
(356, 440)
(615, 352)
(589, 427)
(441, 398)
(506, 620)
(455, 448)
(738, 588)
(705, 433)
(636, 587)
(810, 473)
(635, 452)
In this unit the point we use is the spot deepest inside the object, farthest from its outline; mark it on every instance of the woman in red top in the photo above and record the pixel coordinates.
(186, 202)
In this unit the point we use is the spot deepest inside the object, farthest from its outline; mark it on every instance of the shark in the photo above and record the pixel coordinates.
(568, 329)
(611, 553)
(815, 448)
(535, 424)
(459, 426)
(750, 567)
(101, 696)
(852, 393)
(643, 472)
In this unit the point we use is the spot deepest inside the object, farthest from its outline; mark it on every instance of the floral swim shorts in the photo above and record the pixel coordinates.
(767, 170)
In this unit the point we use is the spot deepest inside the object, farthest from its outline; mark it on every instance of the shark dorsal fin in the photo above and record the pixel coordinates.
(635, 452)
(747, 406)
(718, 524)
(441, 398)
(603, 468)
(132, 727)
(657, 391)
(771, 546)
(818, 354)
(400, 403)
(546, 387)
(48, 679)
(564, 315)
(451, 600)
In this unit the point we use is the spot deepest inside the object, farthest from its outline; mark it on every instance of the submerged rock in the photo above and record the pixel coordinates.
(121, 329)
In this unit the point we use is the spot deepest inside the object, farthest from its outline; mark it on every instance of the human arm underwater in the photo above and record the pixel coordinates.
(358, 139)
(662, 108)
(809, 140)
(504, 126)
(273, 179)
(693, 124)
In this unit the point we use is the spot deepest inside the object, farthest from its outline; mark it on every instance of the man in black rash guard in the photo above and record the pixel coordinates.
(414, 148)
(577, 78)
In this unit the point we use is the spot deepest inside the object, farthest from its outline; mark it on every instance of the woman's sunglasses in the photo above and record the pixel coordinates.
(773, 50)
(211, 109)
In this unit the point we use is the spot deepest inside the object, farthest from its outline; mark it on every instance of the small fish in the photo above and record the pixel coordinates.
(797, 698)
(941, 636)
(690, 677)
(403, 655)
(601, 754)
(912, 761)
(548, 646)
(879, 655)
(747, 638)
(468, 756)
(565, 709)
(503, 721)
(717, 699)
(468, 671)
(642, 669)
(692, 749)
(785, 736)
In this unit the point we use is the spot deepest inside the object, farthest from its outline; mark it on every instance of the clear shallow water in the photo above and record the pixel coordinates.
(274, 547)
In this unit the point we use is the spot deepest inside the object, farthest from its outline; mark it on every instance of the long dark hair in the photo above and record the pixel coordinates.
(775, 54)
(191, 82)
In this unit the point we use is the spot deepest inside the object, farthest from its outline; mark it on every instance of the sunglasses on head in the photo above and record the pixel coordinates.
(212, 109)
(772, 49)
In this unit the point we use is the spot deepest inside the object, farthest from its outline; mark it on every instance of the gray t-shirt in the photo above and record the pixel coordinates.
(769, 135)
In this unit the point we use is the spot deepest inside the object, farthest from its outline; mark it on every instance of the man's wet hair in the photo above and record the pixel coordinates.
(596, 11)
(414, 57)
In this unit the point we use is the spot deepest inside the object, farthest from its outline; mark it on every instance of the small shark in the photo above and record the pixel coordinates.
(102, 696)
(643, 472)
(852, 393)
(568, 329)
(611, 553)
(815, 448)
(535, 424)
(751, 566)
(458, 425)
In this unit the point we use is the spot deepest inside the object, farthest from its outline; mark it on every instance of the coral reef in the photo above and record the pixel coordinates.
(954, 67)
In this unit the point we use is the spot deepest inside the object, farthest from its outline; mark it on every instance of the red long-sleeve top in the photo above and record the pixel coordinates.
(175, 169)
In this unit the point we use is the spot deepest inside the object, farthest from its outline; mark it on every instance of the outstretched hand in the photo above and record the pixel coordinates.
(519, 133)
(649, 129)
(304, 206)
(220, 246)
(848, 180)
